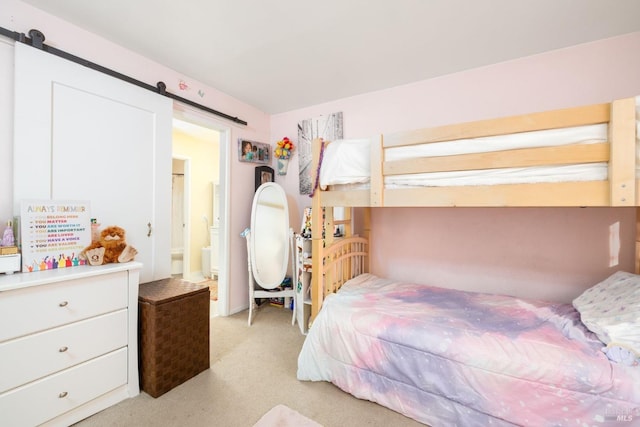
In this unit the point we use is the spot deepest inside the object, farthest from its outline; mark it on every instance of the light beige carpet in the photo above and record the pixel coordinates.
(253, 369)
(283, 416)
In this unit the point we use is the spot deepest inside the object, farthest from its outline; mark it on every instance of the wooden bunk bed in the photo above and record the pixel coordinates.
(399, 345)
(620, 186)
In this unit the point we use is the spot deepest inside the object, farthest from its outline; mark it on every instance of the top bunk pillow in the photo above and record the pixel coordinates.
(346, 161)
(611, 310)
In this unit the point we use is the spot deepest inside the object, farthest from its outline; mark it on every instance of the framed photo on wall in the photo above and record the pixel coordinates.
(263, 174)
(253, 152)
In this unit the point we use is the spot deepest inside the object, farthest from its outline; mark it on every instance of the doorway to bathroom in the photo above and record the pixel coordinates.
(195, 229)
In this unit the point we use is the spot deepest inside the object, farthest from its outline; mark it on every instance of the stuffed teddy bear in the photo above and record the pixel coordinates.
(111, 247)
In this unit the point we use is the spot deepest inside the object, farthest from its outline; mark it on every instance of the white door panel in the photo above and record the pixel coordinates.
(104, 164)
(82, 135)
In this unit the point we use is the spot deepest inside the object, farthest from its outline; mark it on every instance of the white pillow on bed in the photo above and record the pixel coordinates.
(611, 310)
(346, 161)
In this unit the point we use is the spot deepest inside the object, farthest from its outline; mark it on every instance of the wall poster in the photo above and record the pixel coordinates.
(53, 233)
(329, 128)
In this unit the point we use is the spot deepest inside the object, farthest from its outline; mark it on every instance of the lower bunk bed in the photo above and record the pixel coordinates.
(449, 357)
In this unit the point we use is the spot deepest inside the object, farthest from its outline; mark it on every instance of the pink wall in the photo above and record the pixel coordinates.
(20, 17)
(589, 73)
(543, 253)
(551, 253)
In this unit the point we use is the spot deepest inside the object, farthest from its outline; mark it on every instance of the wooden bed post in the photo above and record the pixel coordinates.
(637, 258)
(622, 166)
(367, 235)
(317, 244)
(377, 179)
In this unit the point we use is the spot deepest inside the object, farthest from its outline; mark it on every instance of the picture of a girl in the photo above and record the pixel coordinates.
(253, 152)
(247, 150)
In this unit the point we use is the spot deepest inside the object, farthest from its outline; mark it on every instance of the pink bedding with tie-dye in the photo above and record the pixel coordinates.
(445, 357)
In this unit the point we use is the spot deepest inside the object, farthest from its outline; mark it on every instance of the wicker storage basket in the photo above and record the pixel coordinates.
(173, 333)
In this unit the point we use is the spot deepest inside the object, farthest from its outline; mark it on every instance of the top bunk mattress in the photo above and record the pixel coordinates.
(348, 161)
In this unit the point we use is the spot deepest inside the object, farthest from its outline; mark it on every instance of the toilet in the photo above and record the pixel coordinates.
(177, 260)
(206, 262)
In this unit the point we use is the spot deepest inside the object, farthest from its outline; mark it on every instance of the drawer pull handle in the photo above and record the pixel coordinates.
(63, 349)
(63, 303)
(63, 394)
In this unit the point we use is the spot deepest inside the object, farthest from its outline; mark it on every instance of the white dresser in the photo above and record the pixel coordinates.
(68, 343)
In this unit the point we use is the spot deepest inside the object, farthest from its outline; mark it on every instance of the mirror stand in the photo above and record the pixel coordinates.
(269, 246)
(274, 293)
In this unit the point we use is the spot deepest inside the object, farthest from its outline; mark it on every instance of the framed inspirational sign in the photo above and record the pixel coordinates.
(53, 233)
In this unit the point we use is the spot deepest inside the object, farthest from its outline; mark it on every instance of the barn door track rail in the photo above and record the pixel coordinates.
(36, 40)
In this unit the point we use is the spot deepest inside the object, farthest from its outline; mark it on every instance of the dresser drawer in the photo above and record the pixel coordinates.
(45, 399)
(45, 353)
(33, 309)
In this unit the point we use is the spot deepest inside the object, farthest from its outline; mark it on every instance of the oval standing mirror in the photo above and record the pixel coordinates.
(269, 239)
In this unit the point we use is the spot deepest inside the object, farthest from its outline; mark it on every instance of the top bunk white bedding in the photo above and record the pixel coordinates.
(348, 161)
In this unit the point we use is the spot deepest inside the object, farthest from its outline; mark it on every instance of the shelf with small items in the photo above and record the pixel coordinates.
(303, 281)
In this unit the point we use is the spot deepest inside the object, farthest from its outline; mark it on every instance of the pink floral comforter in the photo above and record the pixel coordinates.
(446, 357)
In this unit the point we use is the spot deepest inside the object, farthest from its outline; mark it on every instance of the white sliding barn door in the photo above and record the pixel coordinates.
(82, 135)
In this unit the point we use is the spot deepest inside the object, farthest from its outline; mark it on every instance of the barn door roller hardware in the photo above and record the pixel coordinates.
(36, 39)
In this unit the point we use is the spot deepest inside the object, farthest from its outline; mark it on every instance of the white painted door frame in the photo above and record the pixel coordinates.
(201, 118)
(186, 214)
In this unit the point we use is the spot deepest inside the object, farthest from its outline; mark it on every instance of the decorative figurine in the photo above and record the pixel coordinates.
(7, 236)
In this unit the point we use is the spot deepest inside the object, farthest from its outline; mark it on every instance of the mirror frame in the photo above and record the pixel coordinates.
(260, 235)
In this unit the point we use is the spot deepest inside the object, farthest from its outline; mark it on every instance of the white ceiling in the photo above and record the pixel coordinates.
(280, 55)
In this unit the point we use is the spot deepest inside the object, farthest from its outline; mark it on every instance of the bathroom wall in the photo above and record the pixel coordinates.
(177, 206)
(203, 151)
